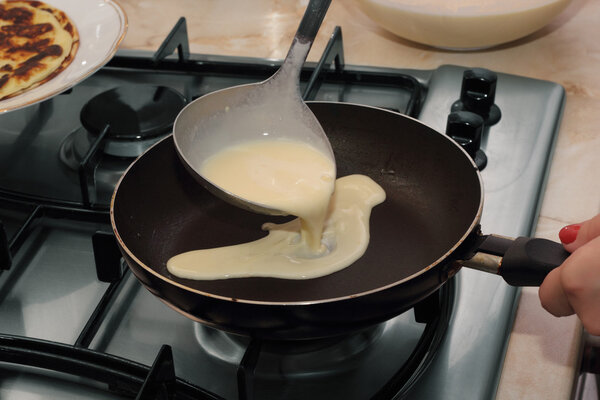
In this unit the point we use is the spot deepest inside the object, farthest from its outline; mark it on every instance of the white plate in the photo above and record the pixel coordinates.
(102, 25)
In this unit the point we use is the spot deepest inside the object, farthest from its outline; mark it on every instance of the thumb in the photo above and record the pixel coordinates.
(576, 235)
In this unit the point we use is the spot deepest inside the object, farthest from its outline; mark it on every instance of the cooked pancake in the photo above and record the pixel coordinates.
(37, 42)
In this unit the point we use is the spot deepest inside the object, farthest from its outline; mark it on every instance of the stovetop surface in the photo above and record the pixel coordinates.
(51, 288)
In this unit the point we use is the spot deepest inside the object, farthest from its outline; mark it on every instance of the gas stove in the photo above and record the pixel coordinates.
(76, 323)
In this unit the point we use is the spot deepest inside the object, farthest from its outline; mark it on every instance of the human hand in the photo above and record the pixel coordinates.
(574, 287)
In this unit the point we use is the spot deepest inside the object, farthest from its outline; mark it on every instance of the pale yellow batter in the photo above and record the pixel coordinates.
(283, 253)
(285, 175)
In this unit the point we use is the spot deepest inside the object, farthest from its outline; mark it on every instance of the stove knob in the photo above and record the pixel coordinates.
(466, 128)
(478, 93)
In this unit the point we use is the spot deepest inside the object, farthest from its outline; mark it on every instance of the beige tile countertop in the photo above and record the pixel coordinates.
(543, 350)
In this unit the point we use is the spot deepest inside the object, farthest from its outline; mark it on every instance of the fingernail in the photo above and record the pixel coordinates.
(568, 234)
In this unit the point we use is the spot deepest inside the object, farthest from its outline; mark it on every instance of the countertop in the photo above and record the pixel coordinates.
(542, 357)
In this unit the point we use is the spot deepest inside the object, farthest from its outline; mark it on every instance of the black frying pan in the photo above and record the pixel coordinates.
(420, 235)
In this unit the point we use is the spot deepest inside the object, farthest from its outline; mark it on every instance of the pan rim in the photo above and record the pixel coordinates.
(422, 271)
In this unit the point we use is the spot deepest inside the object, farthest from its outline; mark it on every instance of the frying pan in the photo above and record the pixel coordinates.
(427, 228)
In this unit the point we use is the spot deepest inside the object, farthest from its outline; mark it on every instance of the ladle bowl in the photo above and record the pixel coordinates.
(272, 109)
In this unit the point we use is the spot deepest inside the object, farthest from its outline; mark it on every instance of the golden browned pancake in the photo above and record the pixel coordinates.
(37, 42)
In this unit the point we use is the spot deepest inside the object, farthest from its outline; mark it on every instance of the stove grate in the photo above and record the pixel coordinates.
(129, 378)
(124, 377)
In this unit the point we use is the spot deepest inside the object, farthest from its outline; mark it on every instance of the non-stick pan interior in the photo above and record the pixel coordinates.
(433, 197)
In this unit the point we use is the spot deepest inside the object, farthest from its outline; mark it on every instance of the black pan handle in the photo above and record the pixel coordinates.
(523, 261)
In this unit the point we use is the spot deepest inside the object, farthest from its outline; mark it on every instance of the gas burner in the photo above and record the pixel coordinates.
(136, 115)
(317, 368)
(108, 169)
(316, 356)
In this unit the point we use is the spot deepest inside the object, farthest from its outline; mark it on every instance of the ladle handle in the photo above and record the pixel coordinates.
(312, 19)
(303, 39)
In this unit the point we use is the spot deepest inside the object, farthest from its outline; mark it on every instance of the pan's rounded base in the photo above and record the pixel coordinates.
(288, 321)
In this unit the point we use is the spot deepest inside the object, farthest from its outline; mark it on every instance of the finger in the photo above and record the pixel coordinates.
(580, 278)
(576, 235)
(553, 297)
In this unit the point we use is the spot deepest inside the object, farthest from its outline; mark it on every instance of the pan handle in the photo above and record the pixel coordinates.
(523, 261)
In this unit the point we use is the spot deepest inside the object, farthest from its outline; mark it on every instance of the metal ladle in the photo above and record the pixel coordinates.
(266, 110)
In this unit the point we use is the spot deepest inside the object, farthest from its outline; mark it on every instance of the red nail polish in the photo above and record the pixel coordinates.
(568, 234)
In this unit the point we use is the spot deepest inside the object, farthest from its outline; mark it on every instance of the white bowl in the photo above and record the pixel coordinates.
(462, 24)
